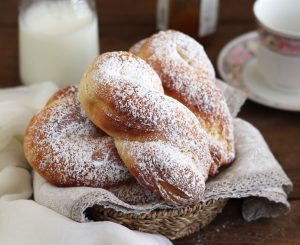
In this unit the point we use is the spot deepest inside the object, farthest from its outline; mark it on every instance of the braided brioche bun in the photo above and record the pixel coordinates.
(67, 149)
(160, 141)
(188, 76)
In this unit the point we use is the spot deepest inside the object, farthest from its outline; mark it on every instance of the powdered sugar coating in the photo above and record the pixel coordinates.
(136, 48)
(178, 50)
(120, 66)
(158, 130)
(161, 166)
(70, 90)
(134, 194)
(65, 147)
(188, 76)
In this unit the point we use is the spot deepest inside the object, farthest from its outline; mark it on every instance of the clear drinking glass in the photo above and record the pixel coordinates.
(58, 39)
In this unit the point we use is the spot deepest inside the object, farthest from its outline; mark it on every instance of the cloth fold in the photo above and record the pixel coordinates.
(17, 106)
(28, 223)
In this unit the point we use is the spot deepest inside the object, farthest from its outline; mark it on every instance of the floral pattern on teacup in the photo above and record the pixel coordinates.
(233, 61)
(236, 59)
(279, 44)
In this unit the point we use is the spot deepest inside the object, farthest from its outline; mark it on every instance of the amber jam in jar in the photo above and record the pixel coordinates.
(197, 18)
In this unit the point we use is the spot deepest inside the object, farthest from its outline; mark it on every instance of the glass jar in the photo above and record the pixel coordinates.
(197, 18)
(58, 39)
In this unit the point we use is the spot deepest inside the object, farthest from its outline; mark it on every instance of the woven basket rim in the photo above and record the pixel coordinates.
(172, 223)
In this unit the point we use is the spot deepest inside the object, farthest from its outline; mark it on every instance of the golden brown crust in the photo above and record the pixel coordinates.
(159, 139)
(103, 102)
(64, 147)
(187, 75)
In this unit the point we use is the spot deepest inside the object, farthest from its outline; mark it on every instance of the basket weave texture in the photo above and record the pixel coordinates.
(172, 223)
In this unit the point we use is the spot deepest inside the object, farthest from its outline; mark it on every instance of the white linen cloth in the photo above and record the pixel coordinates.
(28, 223)
(17, 106)
(25, 221)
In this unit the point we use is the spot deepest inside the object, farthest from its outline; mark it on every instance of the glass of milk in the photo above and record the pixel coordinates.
(58, 39)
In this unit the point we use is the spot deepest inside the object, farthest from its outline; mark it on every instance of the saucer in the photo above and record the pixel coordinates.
(237, 65)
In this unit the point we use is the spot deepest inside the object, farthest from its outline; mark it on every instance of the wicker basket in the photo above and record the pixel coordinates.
(173, 223)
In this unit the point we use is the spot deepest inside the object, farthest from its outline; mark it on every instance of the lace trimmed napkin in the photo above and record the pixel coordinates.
(255, 175)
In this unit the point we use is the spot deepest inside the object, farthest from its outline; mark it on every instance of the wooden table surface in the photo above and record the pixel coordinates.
(122, 23)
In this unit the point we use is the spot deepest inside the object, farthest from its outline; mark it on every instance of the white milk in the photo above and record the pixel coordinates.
(57, 41)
